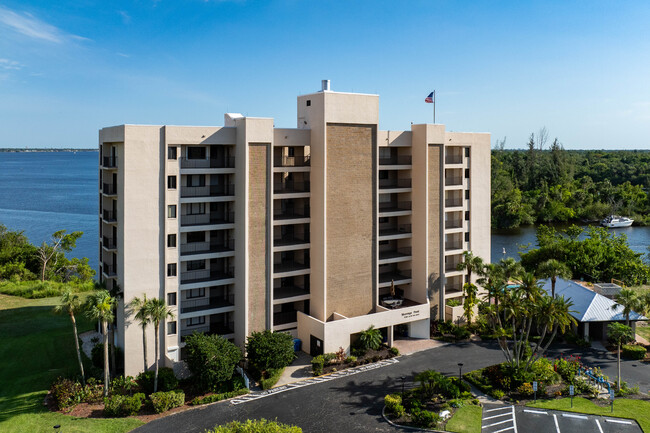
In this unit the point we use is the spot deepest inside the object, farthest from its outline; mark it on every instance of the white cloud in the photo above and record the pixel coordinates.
(7, 64)
(126, 18)
(30, 26)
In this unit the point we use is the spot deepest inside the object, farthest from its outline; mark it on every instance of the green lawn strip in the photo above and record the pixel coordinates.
(643, 331)
(623, 408)
(467, 419)
(36, 347)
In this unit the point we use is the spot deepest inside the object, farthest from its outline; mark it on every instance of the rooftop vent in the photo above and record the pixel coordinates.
(325, 85)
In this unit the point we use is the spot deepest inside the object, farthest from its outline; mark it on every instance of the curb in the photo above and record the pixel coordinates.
(383, 414)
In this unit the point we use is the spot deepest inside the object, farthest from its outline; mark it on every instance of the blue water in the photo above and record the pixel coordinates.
(41, 193)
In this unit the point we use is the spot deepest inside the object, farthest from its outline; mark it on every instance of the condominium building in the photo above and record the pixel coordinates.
(320, 231)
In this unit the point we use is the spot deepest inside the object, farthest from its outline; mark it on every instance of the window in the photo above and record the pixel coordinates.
(171, 328)
(309, 102)
(195, 321)
(384, 153)
(196, 208)
(291, 151)
(196, 180)
(466, 215)
(195, 237)
(467, 173)
(467, 237)
(171, 298)
(171, 211)
(467, 152)
(171, 182)
(171, 269)
(195, 265)
(466, 194)
(171, 241)
(171, 152)
(195, 152)
(196, 293)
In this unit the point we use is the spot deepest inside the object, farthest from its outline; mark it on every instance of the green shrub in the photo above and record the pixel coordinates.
(270, 350)
(526, 389)
(255, 426)
(394, 351)
(93, 392)
(97, 356)
(317, 364)
(424, 418)
(164, 401)
(358, 351)
(370, 338)
(123, 405)
(392, 401)
(432, 382)
(167, 380)
(211, 359)
(272, 378)
(498, 394)
(218, 397)
(124, 385)
(351, 359)
(66, 393)
(633, 351)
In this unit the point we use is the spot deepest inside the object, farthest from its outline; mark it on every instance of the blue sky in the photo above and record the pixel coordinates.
(580, 68)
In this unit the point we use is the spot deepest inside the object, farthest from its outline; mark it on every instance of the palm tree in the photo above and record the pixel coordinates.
(492, 280)
(141, 308)
(70, 303)
(530, 287)
(158, 311)
(644, 303)
(469, 291)
(470, 263)
(553, 269)
(510, 268)
(99, 306)
(116, 293)
(627, 300)
(619, 334)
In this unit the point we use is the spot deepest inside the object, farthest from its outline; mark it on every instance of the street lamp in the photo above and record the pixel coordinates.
(402, 384)
(460, 371)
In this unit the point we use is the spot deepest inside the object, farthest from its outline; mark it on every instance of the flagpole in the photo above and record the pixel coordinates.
(434, 107)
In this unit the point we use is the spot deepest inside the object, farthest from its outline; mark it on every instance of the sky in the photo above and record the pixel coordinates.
(579, 68)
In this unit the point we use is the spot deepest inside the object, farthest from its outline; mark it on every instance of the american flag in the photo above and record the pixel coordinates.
(429, 99)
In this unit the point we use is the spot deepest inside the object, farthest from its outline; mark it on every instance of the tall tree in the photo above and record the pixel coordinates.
(554, 269)
(619, 334)
(141, 309)
(158, 312)
(510, 269)
(628, 301)
(70, 304)
(60, 242)
(470, 264)
(99, 306)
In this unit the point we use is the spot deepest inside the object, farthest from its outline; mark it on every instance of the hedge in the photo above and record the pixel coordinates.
(123, 405)
(163, 401)
(218, 397)
(633, 351)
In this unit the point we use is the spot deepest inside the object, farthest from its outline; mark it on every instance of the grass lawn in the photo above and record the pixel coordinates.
(643, 331)
(623, 408)
(36, 346)
(467, 419)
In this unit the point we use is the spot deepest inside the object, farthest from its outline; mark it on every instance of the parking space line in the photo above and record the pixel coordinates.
(497, 423)
(497, 416)
(600, 429)
(539, 412)
(514, 418)
(497, 408)
(505, 429)
(568, 415)
(557, 426)
(617, 421)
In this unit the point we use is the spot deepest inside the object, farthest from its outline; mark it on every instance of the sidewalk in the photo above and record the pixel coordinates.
(406, 345)
(299, 369)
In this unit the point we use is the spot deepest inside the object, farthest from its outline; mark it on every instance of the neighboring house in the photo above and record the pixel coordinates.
(592, 310)
(319, 231)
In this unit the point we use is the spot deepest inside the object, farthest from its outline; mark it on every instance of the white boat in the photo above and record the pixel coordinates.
(613, 221)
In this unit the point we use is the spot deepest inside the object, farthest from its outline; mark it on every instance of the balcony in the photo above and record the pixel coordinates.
(109, 189)
(204, 275)
(286, 292)
(109, 270)
(454, 158)
(395, 255)
(208, 191)
(290, 214)
(292, 161)
(192, 305)
(451, 267)
(109, 216)
(110, 243)
(284, 318)
(398, 229)
(396, 160)
(453, 181)
(454, 224)
(397, 277)
(399, 206)
(457, 245)
(290, 187)
(453, 202)
(110, 162)
(394, 183)
(208, 219)
(224, 162)
(218, 329)
(207, 247)
(291, 240)
(289, 266)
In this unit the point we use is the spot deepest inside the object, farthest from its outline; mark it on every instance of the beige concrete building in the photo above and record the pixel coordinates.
(320, 230)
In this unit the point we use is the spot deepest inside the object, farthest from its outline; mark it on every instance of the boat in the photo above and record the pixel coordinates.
(614, 221)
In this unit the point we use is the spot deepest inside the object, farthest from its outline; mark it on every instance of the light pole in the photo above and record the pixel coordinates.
(402, 384)
(460, 372)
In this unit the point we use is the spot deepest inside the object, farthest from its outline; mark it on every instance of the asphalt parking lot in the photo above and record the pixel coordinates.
(507, 419)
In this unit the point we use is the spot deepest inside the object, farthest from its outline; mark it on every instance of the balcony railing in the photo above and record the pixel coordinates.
(223, 162)
(398, 160)
(109, 188)
(289, 187)
(211, 218)
(192, 305)
(396, 253)
(395, 206)
(453, 246)
(285, 317)
(453, 202)
(387, 277)
(454, 224)
(451, 267)
(203, 275)
(109, 242)
(110, 162)
(292, 214)
(207, 247)
(394, 183)
(291, 240)
(110, 270)
(454, 158)
(290, 266)
(289, 292)
(292, 161)
(110, 215)
(453, 181)
(394, 230)
(218, 329)
(208, 191)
